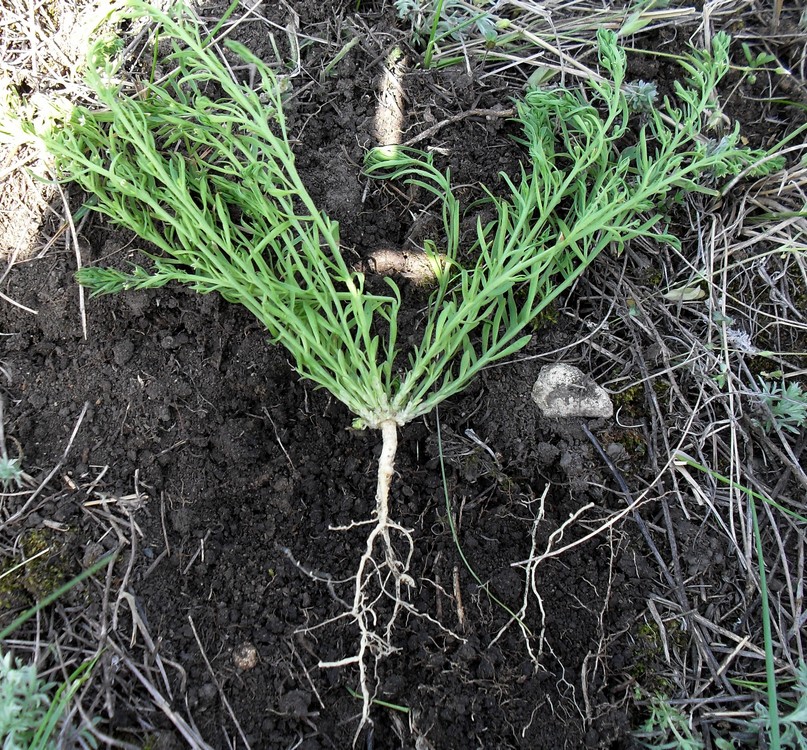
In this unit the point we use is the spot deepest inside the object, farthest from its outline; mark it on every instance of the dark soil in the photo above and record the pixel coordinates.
(246, 468)
(241, 460)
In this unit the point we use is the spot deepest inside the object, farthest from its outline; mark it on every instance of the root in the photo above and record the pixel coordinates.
(382, 573)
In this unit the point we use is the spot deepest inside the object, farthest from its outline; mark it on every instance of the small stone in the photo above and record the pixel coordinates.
(245, 656)
(566, 391)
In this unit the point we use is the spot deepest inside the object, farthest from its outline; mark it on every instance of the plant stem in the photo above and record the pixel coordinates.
(438, 11)
(767, 636)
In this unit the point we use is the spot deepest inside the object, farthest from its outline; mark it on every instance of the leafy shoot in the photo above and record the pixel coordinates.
(786, 404)
(641, 96)
(452, 19)
(24, 702)
(11, 473)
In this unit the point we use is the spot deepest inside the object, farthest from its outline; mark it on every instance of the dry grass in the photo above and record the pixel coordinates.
(41, 50)
(686, 373)
(542, 39)
(97, 622)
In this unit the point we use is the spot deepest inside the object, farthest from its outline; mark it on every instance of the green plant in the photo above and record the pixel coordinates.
(641, 96)
(773, 722)
(30, 712)
(792, 725)
(11, 473)
(212, 184)
(451, 19)
(432, 21)
(24, 701)
(786, 405)
(755, 63)
(418, 15)
(667, 728)
(769, 716)
(641, 13)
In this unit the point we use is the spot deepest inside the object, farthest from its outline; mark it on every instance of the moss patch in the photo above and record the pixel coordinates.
(649, 669)
(13, 596)
(48, 566)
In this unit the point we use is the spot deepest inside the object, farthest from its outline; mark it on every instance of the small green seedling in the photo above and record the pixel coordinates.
(12, 475)
(641, 96)
(32, 711)
(667, 728)
(24, 702)
(755, 62)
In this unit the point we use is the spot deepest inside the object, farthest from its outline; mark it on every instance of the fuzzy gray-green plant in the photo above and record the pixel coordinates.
(641, 96)
(787, 404)
(12, 475)
(433, 20)
(24, 702)
(792, 726)
(667, 728)
(32, 711)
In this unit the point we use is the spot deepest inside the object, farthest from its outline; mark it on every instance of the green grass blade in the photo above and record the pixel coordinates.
(770, 666)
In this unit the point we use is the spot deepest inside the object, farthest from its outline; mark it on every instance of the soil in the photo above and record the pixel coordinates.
(243, 470)
(241, 460)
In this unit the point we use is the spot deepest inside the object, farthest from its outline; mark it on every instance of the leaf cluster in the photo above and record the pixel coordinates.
(211, 181)
(786, 404)
(24, 701)
(581, 191)
(792, 725)
(667, 728)
(31, 712)
(11, 473)
(436, 20)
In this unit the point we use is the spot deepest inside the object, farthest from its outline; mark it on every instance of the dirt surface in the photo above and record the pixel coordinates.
(244, 469)
(241, 461)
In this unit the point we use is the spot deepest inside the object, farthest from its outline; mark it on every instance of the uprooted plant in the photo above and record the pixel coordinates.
(210, 180)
